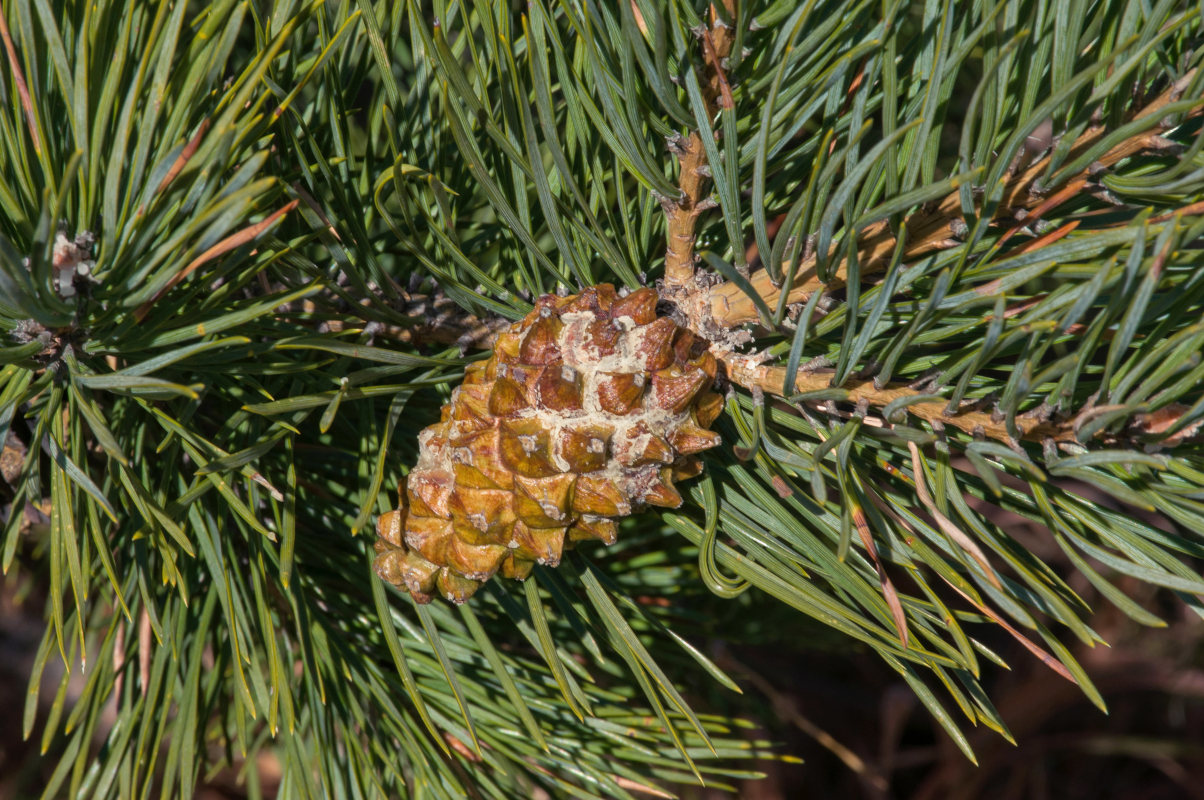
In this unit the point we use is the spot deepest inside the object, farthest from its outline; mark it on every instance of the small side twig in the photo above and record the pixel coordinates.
(437, 320)
(682, 213)
(747, 371)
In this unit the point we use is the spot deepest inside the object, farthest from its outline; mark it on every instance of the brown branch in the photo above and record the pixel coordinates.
(682, 213)
(437, 320)
(14, 64)
(932, 230)
(769, 379)
(714, 313)
(747, 372)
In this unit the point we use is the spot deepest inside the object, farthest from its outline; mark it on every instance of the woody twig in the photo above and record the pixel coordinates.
(436, 320)
(682, 212)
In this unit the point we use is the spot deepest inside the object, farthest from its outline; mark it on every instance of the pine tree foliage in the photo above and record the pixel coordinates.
(245, 248)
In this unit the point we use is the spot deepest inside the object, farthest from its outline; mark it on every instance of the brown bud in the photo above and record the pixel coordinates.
(640, 305)
(559, 388)
(506, 398)
(674, 388)
(583, 448)
(524, 448)
(540, 345)
(592, 528)
(620, 392)
(599, 495)
(655, 346)
(690, 439)
(663, 493)
(544, 502)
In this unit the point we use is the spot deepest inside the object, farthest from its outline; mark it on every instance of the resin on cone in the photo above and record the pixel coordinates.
(589, 408)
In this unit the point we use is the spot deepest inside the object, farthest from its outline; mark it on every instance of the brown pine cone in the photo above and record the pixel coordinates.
(590, 407)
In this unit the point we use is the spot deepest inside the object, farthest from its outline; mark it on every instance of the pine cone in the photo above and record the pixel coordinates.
(590, 407)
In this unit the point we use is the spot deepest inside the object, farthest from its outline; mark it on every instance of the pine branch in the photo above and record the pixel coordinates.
(770, 380)
(1023, 202)
(928, 231)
